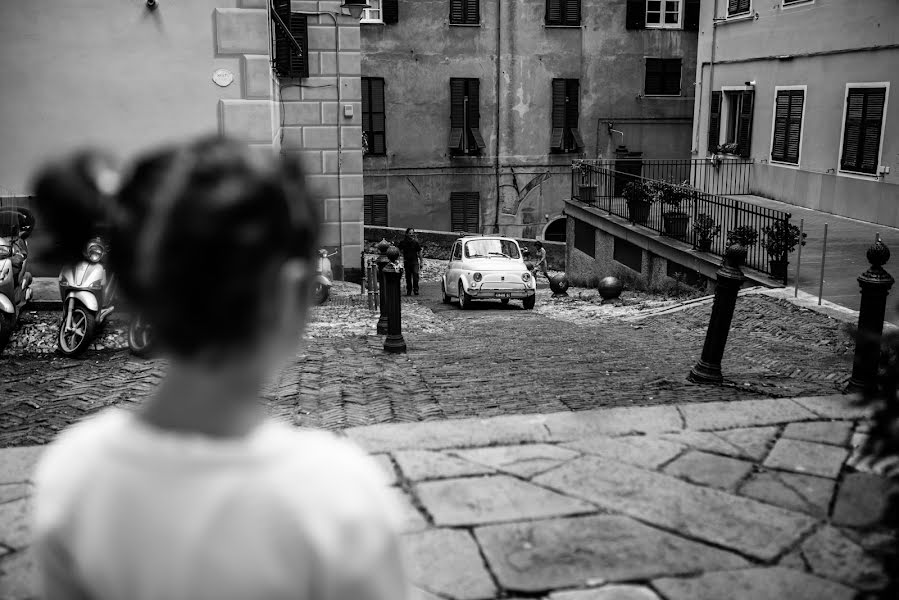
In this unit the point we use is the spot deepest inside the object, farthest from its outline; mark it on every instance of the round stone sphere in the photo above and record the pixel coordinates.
(610, 288)
(559, 283)
(393, 253)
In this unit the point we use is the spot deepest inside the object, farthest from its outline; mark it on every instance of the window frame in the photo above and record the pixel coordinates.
(570, 133)
(367, 81)
(369, 208)
(724, 116)
(680, 77)
(466, 6)
(662, 12)
(472, 141)
(788, 88)
(367, 12)
(740, 15)
(465, 197)
(563, 22)
(788, 4)
(886, 104)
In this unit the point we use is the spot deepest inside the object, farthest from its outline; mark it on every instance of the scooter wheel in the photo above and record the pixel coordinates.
(140, 337)
(7, 323)
(321, 293)
(74, 340)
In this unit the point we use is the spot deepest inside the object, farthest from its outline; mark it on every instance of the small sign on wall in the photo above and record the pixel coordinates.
(222, 77)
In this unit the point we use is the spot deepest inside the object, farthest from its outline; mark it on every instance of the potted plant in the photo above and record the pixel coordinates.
(705, 230)
(639, 198)
(780, 240)
(672, 197)
(586, 189)
(744, 235)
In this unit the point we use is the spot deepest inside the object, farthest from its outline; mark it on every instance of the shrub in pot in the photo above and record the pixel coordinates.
(586, 189)
(639, 198)
(672, 197)
(744, 235)
(705, 230)
(780, 240)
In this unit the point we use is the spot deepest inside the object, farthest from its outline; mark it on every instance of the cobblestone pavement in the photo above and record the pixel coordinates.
(493, 360)
(755, 500)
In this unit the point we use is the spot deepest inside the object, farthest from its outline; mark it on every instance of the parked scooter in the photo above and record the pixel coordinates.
(16, 224)
(323, 277)
(87, 289)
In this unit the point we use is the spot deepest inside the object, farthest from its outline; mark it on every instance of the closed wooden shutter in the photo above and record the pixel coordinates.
(572, 10)
(781, 120)
(465, 12)
(737, 7)
(671, 76)
(572, 105)
(457, 113)
(390, 11)
(553, 12)
(714, 121)
(744, 124)
(557, 139)
(290, 62)
(861, 134)
(375, 210)
(794, 126)
(653, 82)
(465, 211)
(691, 15)
(474, 115)
(457, 12)
(635, 18)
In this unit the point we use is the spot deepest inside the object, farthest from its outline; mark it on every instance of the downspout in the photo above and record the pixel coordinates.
(499, 54)
(711, 74)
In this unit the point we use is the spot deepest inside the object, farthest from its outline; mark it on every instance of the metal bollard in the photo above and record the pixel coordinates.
(382, 261)
(394, 341)
(875, 284)
(371, 284)
(730, 279)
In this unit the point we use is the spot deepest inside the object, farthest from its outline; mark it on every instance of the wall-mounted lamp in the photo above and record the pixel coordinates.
(356, 7)
(152, 4)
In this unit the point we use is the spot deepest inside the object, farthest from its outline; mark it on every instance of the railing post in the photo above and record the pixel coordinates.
(394, 341)
(875, 284)
(382, 261)
(730, 279)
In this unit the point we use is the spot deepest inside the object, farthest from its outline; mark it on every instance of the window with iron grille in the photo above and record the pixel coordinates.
(290, 46)
(465, 118)
(373, 116)
(788, 107)
(662, 77)
(565, 134)
(585, 237)
(465, 12)
(737, 8)
(662, 14)
(465, 211)
(375, 209)
(863, 129)
(563, 12)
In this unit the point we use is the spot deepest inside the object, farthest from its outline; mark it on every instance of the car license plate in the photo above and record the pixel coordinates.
(502, 295)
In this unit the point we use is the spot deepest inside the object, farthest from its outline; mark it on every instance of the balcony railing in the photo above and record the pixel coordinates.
(690, 215)
(723, 177)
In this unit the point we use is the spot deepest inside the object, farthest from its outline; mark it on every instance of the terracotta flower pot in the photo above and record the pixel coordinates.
(638, 211)
(676, 224)
(778, 268)
(704, 244)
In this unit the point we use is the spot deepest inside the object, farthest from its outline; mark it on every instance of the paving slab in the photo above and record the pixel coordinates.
(861, 500)
(608, 592)
(18, 576)
(543, 555)
(823, 432)
(447, 562)
(748, 413)
(807, 457)
(418, 465)
(775, 583)
(640, 450)
(569, 426)
(19, 463)
(524, 460)
(412, 519)
(711, 515)
(491, 499)
(710, 469)
(14, 491)
(838, 406)
(387, 467)
(832, 555)
(794, 491)
(751, 442)
(15, 519)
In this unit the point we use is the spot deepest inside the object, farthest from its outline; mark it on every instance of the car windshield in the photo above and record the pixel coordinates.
(491, 247)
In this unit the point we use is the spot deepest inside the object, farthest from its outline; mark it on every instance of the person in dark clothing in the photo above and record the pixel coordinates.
(411, 250)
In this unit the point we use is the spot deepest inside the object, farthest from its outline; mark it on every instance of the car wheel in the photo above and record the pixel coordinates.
(446, 297)
(464, 299)
(529, 302)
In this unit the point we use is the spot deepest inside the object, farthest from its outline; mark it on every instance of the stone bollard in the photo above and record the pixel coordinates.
(392, 274)
(875, 284)
(382, 261)
(730, 279)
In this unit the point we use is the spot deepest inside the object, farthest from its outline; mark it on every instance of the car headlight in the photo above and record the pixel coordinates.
(94, 252)
(478, 277)
(525, 277)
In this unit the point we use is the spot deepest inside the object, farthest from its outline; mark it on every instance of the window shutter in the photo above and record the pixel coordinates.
(737, 7)
(474, 103)
(457, 211)
(554, 12)
(457, 12)
(557, 140)
(288, 61)
(465, 211)
(794, 126)
(457, 113)
(572, 9)
(873, 122)
(390, 11)
(366, 210)
(379, 210)
(635, 17)
(781, 119)
(714, 121)
(691, 15)
(653, 82)
(572, 106)
(671, 79)
(744, 125)
(473, 212)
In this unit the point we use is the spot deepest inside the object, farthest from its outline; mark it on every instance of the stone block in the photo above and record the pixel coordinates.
(19, 463)
(794, 491)
(807, 457)
(350, 88)
(710, 469)
(351, 185)
(837, 406)
(861, 500)
(748, 413)
(569, 426)
(753, 584)
(492, 499)
(386, 466)
(330, 112)
(823, 432)
(831, 554)
(419, 465)
(19, 576)
(643, 451)
(524, 460)
(320, 136)
(254, 3)
(350, 63)
(751, 443)
(537, 556)
(412, 519)
(301, 113)
(320, 88)
(322, 37)
(351, 136)
(257, 76)
(325, 186)
(352, 161)
(447, 562)
(707, 514)
(608, 592)
(241, 31)
(348, 207)
(327, 62)
(14, 491)
(247, 120)
(350, 38)
(15, 523)
(304, 6)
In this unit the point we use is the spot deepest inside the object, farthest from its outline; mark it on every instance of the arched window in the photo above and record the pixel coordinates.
(555, 230)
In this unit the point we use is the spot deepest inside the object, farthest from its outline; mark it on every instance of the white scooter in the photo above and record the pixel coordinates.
(323, 277)
(16, 224)
(87, 289)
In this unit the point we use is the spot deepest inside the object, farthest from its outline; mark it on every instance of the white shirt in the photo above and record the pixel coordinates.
(127, 511)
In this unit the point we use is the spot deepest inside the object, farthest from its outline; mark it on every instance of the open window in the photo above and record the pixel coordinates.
(290, 44)
(465, 118)
(372, 14)
(373, 117)
(730, 122)
(565, 134)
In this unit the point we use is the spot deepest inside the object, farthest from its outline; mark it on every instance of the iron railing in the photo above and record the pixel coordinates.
(684, 217)
(723, 177)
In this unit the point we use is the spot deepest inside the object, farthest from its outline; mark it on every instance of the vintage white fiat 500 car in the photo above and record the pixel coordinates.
(488, 267)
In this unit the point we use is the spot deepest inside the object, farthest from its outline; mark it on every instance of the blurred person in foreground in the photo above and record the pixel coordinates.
(196, 495)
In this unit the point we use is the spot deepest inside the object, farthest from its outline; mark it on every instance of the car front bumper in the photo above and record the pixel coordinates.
(493, 292)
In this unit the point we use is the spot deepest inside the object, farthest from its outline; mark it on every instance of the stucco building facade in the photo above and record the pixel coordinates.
(125, 77)
(803, 87)
(554, 80)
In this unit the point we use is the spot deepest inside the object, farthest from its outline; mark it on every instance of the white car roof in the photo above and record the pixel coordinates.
(468, 238)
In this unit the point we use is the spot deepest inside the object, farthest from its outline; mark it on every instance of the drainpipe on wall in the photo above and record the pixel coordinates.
(499, 54)
(711, 74)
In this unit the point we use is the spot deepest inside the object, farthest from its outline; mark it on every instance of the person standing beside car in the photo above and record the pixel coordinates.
(411, 250)
(540, 264)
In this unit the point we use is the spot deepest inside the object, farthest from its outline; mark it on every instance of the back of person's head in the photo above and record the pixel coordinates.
(198, 236)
